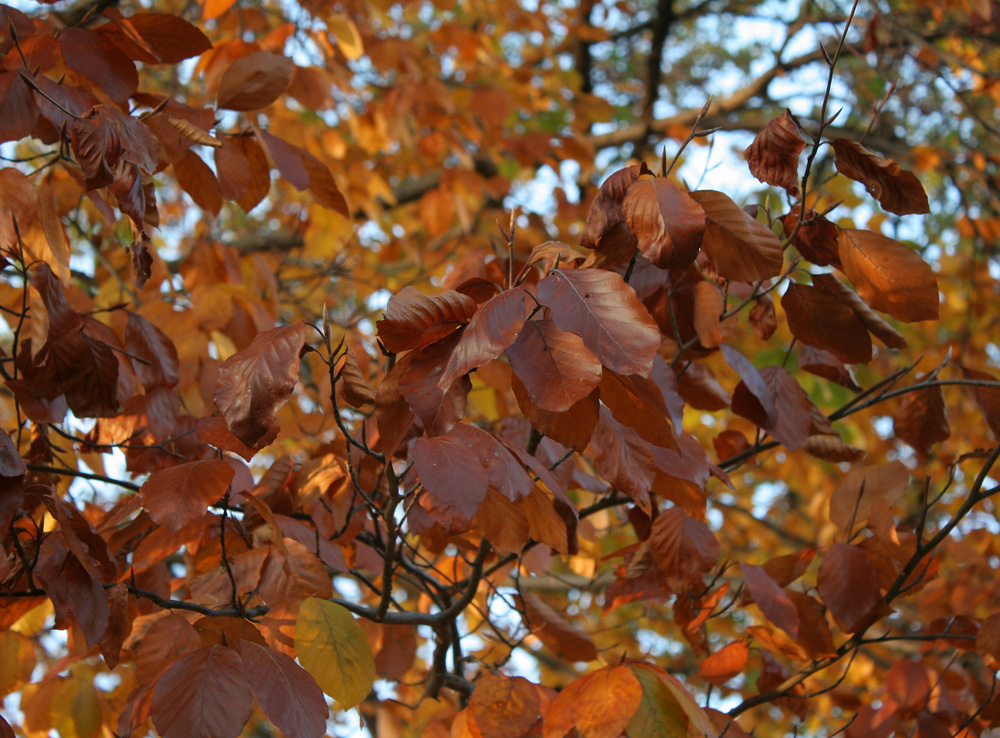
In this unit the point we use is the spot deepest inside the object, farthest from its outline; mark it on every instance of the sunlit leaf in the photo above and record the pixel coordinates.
(333, 648)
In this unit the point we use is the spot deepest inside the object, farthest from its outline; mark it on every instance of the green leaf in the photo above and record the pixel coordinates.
(333, 648)
(659, 714)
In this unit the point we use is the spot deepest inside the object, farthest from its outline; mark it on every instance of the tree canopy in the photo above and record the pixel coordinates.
(495, 369)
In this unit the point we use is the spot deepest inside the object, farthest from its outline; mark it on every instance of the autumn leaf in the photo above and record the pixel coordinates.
(987, 399)
(773, 156)
(818, 318)
(255, 81)
(599, 705)
(555, 366)
(725, 663)
(600, 308)
(896, 190)
(413, 320)
(286, 693)
(770, 598)
(202, 695)
(333, 648)
(889, 276)
(180, 494)
(504, 707)
(256, 382)
(667, 223)
(848, 585)
(740, 247)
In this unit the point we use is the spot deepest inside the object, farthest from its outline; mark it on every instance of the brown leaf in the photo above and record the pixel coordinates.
(861, 488)
(604, 311)
(753, 383)
(773, 157)
(153, 354)
(697, 384)
(392, 413)
(502, 522)
(196, 179)
(831, 448)
(667, 223)
(413, 319)
(763, 318)
(286, 693)
(18, 202)
(254, 383)
(566, 641)
(106, 137)
(355, 389)
(708, 307)
(817, 239)
(684, 548)
(573, 427)
(874, 322)
(254, 81)
(889, 276)
(438, 409)
(323, 186)
(170, 36)
(623, 458)
(824, 364)
(897, 190)
(791, 422)
(491, 330)
(18, 112)
(258, 183)
(923, 419)
(725, 663)
(556, 368)
(194, 133)
(987, 399)
(771, 599)
(451, 471)
(93, 56)
(181, 494)
(848, 585)
(740, 247)
(637, 402)
(818, 318)
(203, 695)
(605, 214)
(504, 707)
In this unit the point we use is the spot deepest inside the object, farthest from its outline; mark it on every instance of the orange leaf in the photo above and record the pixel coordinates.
(773, 156)
(740, 247)
(897, 191)
(725, 663)
(599, 705)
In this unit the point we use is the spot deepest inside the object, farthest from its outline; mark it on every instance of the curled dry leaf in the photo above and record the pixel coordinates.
(355, 389)
(831, 448)
(773, 157)
(194, 133)
(605, 214)
(255, 81)
(667, 223)
(896, 190)
(889, 276)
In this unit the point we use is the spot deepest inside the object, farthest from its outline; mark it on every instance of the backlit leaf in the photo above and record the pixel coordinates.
(556, 368)
(604, 311)
(573, 427)
(659, 715)
(861, 488)
(874, 322)
(923, 419)
(623, 458)
(818, 318)
(256, 382)
(771, 599)
(504, 707)
(897, 190)
(725, 663)
(413, 319)
(600, 704)
(889, 276)
(773, 157)
(987, 399)
(668, 224)
(637, 402)
(333, 648)
(180, 494)
(848, 585)
(684, 548)
(553, 630)
(605, 214)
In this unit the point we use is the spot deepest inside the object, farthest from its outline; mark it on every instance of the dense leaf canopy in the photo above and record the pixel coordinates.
(495, 368)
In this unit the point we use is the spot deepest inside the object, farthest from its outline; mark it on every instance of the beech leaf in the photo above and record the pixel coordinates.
(818, 318)
(725, 663)
(255, 81)
(334, 649)
(771, 599)
(896, 190)
(286, 693)
(604, 311)
(667, 223)
(413, 319)
(773, 156)
(848, 585)
(923, 419)
(600, 704)
(256, 382)
(741, 247)
(555, 366)
(181, 494)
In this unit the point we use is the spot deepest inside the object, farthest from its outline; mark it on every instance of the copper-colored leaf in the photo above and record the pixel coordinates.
(104, 138)
(889, 276)
(987, 399)
(874, 322)
(255, 81)
(623, 458)
(154, 356)
(556, 368)
(194, 133)
(824, 364)
(696, 383)
(392, 413)
(684, 548)
(256, 382)
(257, 182)
(413, 319)
(725, 663)
(356, 390)
(573, 427)
(604, 311)
(286, 693)
(196, 179)
(923, 419)
(605, 214)
(438, 409)
(773, 157)
(565, 640)
(502, 522)
(504, 707)
(203, 695)
(831, 448)
(600, 704)
(771, 599)
(493, 328)
(897, 190)
(791, 422)
(762, 318)
(451, 471)
(861, 488)
(170, 36)
(817, 239)
(323, 186)
(667, 223)
(752, 381)
(848, 585)
(818, 318)
(740, 247)
(18, 112)
(637, 402)
(18, 202)
(180, 494)
(92, 55)
(708, 307)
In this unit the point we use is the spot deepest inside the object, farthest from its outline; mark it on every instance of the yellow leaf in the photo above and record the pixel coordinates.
(333, 648)
(347, 35)
(17, 659)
